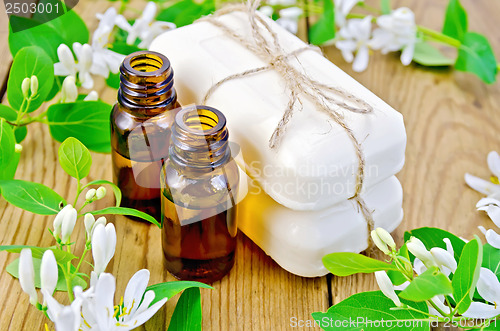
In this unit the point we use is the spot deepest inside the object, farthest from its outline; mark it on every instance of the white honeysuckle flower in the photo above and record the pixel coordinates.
(68, 224)
(99, 312)
(89, 221)
(105, 60)
(100, 192)
(488, 288)
(65, 318)
(386, 237)
(379, 243)
(289, 18)
(419, 266)
(342, 8)
(27, 275)
(482, 186)
(85, 59)
(446, 261)
(354, 37)
(492, 237)
(103, 246)
(25, 87)
(58, 220)
(267, 10)
(48, 273)
(492, 208)
(92, 96)
(34, 85)
(90, 194)
(66, 65)
(418, 249)
(386, 286)
(397, 31)
(144, 27)
(69, 91)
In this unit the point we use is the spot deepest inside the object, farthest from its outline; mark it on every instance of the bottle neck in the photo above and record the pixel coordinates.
(199, 139)
(146, 83)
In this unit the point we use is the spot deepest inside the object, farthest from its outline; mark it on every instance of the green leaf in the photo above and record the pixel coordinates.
(368, 307)
(427, 55)
(433, 237)
(116, 189)
(10, 115)
(187, 313)
(170, 289)
(185, 12)
(33, 197)
(455, 21)
(127, 212)
(61, 256)
(345, 264)
(427, 285)
(467, 274)
(7, 143)
(30, 61)
(87, 121)
(491, 259)
(77, 33)
(385, 6)
(13, 270)
(41, 35)
(9, 171)
(113, 80)
(475, 55)
(123, 48)
(56, 87)
(75, 158)
(324, 29)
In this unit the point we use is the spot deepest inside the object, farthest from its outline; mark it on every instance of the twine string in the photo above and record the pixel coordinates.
(327, 99)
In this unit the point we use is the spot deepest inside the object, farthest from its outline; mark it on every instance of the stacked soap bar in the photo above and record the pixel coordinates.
(303, 210)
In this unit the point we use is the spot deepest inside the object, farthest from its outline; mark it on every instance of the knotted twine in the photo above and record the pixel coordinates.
(298, 84)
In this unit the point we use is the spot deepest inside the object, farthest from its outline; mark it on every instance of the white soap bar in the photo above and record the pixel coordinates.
(315, 166)
(298, 240)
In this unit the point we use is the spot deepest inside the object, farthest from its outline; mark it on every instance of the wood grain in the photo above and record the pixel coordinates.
(452, 121)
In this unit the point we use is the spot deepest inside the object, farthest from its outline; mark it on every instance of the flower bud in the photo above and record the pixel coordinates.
(386, 286)
(386, 237)
(58, 220)
(25, 87)
(48, 273)
(100, 193)
(92, 96)
(90, 194)
(68, 224)
(34, 85)
(417, 248)
(103, 246)
(65, 56)
(27, 275)
(89, 222)
(379, 243)
(18, 148)
(69, 91)
(444, 259)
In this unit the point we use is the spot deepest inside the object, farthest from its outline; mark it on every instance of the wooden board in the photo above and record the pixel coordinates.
(452, 121)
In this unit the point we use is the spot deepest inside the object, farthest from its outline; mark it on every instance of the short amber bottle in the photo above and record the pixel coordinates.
(140, 129)
(199, 187)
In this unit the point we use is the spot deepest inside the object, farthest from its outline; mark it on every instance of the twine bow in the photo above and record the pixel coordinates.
(327, 99)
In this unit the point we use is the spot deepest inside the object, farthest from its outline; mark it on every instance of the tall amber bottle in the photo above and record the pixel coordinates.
(199, 185)
(140, 129)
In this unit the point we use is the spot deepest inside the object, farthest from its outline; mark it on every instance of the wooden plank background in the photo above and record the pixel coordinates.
(452, 121)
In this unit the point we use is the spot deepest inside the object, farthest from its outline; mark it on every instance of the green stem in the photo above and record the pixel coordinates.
(437, 308)
(77, 192)
(439, 37)
(83, 206)
(81, 259)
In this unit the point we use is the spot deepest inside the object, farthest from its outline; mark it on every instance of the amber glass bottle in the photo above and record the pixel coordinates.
(199, 185)
(140, 129)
